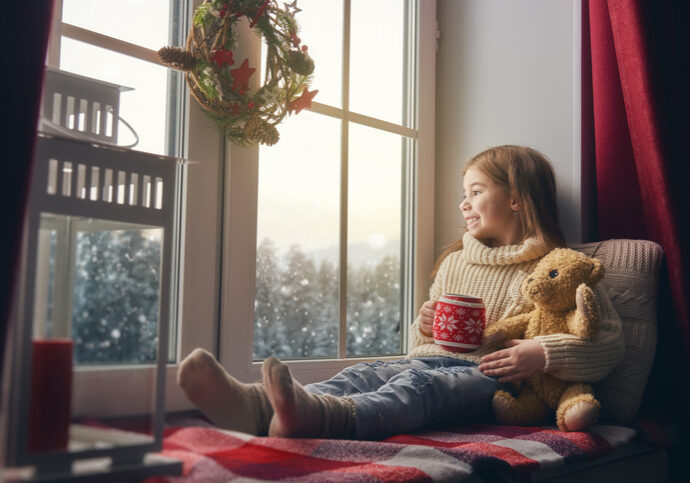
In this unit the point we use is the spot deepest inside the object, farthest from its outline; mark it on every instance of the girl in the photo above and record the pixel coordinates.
(510, 211)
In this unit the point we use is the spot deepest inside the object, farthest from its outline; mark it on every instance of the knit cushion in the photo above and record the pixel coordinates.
(631, 281)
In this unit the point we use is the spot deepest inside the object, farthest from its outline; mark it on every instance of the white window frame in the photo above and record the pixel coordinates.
(240, 210)
(127, 390)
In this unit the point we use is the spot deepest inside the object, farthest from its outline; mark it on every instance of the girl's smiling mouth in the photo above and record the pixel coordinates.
(471, 221)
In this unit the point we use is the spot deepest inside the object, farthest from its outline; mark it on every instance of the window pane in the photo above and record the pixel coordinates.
(322, 31)
(296, 305)
(144, 107)
(112, 311)
(144, 23)
(373, 271)
(376, 59)
(116, 293)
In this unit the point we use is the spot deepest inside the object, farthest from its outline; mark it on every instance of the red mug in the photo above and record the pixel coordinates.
(459, 322)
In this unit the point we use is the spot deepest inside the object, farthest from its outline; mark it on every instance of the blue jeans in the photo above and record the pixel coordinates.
(407, 395)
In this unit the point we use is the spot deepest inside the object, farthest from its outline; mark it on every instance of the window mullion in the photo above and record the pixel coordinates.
(71, 230)
(110, 43)
(62, 304)
(408, 167)
(344, 159)
(53, 54)
(410, 65)
(364, 120)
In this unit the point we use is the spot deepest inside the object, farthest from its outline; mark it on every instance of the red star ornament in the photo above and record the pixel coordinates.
(304, 101)
(240, 77)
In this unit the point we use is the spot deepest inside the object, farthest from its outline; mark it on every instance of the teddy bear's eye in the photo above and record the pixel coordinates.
(553, 273)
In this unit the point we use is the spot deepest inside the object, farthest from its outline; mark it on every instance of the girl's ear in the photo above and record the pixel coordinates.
(514, 202)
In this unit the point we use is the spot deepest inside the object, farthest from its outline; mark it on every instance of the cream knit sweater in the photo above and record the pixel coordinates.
(495, 274)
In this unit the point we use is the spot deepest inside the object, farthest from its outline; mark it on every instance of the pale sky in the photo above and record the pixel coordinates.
(306, 210)
(300, 176)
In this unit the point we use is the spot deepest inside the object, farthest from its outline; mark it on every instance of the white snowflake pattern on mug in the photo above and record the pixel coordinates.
(473, 326)
(446, 322)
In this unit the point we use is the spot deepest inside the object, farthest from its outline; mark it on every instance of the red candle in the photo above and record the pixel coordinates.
(51, 391)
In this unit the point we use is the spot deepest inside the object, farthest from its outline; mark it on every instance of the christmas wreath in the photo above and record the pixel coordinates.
(220, 83)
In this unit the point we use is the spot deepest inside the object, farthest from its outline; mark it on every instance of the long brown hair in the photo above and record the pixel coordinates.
(529, 174)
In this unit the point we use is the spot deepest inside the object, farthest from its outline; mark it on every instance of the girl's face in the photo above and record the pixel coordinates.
(489, 210)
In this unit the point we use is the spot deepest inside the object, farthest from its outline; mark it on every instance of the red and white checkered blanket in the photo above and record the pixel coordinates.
(503, 453)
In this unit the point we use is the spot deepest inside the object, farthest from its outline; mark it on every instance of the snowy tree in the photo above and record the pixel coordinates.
(116, 296)
(297, 306)
(298, 302)
(373, 308)
(269, 329)
(326, 307)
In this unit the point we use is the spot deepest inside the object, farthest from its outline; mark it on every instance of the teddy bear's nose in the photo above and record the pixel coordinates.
(530, 280)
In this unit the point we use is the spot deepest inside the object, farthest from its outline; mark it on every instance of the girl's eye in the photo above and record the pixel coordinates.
(553, 273)
(475, 193)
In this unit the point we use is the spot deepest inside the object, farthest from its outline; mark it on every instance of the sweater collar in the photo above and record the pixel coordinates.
(476, 252)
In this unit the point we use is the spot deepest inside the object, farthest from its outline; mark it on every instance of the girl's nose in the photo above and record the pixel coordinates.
(463, 204)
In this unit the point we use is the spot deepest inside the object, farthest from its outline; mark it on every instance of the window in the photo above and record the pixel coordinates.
(229, 202)
(323, 231)
(112, 313)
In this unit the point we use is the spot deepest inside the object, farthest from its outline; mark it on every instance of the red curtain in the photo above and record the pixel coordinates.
(641, 174)
(641, 118)
(25, 30)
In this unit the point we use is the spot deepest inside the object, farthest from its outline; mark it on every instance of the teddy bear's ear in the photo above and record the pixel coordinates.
(597, 271)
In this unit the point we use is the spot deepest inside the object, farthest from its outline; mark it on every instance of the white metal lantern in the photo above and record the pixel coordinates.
(108, 189)
(79, 106)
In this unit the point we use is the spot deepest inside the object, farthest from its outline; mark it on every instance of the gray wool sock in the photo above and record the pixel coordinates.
(227, 402)
(298, 414)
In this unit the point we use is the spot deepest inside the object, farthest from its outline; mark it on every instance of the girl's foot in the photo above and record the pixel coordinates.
(227, 402)
(300, 414)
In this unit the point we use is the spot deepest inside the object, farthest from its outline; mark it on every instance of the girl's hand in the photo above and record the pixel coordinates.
(520, 360)
(426, 318)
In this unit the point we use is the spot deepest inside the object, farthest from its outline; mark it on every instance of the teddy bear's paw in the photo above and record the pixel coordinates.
(491, 330)
(493, 338)
(504, 407)
(584, 300)
(494, 335)
(580, 416)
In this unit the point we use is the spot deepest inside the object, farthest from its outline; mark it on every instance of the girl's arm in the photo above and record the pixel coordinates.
(417, 337)
(521, 359)
(418, 329)
(562, 355)
(573, 359)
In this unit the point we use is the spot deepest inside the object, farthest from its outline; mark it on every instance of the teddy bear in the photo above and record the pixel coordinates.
(560, 287)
